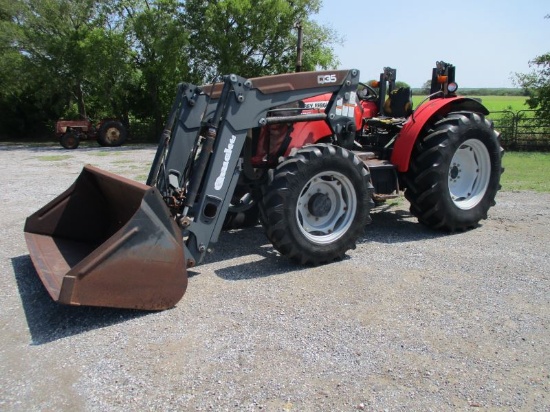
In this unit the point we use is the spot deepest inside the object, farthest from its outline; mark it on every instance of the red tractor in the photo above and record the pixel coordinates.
(433, 154)
(307, 154)
(108, 132)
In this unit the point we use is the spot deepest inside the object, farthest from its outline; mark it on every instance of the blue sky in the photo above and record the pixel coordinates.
(487, 40)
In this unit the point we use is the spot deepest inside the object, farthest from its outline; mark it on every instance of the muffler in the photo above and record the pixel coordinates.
(108, 241)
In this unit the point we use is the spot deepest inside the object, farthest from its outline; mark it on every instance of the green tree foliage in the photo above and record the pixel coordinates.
(537, 83)
(124, 58)
(159, 41)
(254, 37)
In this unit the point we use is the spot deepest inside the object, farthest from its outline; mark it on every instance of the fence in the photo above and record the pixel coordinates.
(524, 130)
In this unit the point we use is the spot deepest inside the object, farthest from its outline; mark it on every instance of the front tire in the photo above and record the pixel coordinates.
(454, 173)
(317, 204)
(69, 140)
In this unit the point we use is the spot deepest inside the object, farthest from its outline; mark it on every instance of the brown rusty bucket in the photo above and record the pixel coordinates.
(108, 241)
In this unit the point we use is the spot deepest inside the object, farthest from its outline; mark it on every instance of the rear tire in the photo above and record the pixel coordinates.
(112, 133)
(69, 140)
(454, 173)
(317, 204)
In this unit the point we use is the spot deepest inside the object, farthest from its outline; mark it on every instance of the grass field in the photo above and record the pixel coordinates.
(526, 171)
(493, 103)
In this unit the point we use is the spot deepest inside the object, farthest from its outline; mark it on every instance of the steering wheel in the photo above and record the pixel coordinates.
(370, 95)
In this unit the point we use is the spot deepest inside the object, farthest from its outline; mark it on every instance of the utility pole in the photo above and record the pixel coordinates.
(299, 48)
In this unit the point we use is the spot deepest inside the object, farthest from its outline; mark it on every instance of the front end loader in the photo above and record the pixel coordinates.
(108, 241)
(308, 155)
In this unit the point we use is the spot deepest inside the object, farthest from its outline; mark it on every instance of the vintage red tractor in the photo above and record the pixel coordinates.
(108, 132)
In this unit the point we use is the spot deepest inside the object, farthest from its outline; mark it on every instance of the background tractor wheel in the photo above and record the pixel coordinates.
(112, 133)
(317, 204)
(69, 140)
(454, 173)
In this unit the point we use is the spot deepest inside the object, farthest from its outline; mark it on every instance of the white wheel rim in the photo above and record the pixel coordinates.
(469, 174)
(326, 207)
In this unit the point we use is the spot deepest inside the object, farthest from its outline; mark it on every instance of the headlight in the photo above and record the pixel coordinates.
(452, 87)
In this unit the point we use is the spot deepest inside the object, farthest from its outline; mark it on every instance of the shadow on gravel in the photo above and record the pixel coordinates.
(390, 225)
(235, 244)
(49, 321)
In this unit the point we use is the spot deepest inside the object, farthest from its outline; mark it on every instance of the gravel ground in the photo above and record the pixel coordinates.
(411, 320)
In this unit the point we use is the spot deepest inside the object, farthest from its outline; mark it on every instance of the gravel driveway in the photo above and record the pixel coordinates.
(411, 320)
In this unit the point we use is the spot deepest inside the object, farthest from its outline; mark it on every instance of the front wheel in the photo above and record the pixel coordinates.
(455, 172)
(317, 204)
(69, 140)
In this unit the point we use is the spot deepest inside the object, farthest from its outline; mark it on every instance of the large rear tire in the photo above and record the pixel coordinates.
(454, 173)
(112, 133)
(317, 204)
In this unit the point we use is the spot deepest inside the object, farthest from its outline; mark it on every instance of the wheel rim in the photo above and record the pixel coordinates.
(469, 174)
(112, 135)
(326, 207)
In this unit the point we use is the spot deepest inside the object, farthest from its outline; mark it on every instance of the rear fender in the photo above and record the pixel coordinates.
(422, 116)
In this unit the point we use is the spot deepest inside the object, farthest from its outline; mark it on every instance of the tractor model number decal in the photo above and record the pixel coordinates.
(218, 184)
(326, 78)
(316, 105)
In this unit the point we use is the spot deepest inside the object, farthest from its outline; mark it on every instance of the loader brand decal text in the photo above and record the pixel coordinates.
(326, 78)
(218, 184)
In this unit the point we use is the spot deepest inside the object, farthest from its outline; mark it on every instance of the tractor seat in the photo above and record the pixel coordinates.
(399, 103)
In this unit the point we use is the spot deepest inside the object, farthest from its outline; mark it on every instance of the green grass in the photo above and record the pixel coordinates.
(499, 103)
(105, 153)
(492, 103)
(53, 158)
(526, 171)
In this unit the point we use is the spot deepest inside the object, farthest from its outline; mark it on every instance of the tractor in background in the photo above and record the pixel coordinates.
(108, 132)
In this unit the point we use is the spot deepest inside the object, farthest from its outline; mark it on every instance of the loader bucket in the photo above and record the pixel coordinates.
(108, 241)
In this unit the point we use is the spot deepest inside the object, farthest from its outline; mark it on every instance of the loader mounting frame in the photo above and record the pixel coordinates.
(197, 164)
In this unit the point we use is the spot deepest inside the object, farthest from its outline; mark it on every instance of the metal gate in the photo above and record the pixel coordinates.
(524, 130)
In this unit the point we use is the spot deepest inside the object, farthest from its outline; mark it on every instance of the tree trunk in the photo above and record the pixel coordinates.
(80, 101)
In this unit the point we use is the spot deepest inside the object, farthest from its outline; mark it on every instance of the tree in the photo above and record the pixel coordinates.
(124, 58)
(159, 40)
(61, 53)
(254, 37)
(537, 83)
(427, 86)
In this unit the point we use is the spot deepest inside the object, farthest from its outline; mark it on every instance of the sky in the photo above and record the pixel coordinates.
(486, 40)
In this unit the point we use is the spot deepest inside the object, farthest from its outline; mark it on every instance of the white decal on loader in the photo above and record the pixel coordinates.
(218, 184)
(326, 78)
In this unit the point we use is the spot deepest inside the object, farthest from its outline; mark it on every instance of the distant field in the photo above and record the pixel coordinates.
(493, 103)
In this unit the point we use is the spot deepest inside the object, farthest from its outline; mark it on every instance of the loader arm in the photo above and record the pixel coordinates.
(198, 160)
